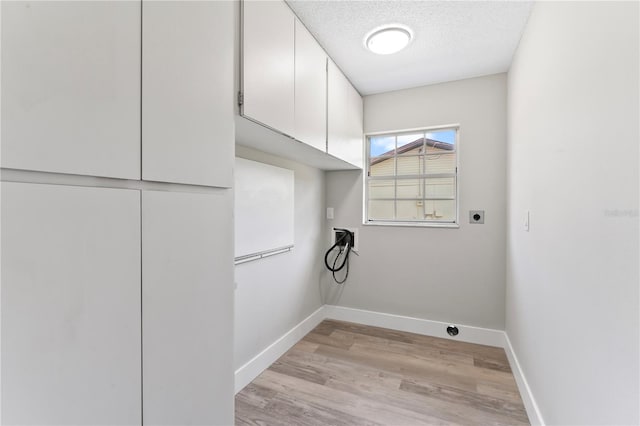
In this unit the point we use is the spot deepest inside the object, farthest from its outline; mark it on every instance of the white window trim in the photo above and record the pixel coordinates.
(412, 224)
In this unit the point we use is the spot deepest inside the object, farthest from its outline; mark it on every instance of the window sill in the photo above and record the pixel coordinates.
(414, 225)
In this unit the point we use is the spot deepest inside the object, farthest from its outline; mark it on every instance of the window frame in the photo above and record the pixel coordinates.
(410, 223)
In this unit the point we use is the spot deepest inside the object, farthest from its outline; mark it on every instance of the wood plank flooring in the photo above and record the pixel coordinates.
(349, 374)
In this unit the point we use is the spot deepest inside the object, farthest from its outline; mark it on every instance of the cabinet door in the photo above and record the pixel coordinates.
(187, 294)
(310, 90)
(70, 305)
(187, 92)
(345, 131)
(354, 127)
(268, 64)
(71, 87)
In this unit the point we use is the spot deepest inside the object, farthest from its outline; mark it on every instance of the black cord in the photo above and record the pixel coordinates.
(346, 249)
(346, 262)
(345, 235)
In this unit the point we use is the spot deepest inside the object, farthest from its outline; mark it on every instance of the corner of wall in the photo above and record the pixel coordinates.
(533, 412)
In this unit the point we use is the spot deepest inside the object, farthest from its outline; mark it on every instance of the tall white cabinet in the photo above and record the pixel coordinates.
(71, 87)
(117, 293)
(187, 112)
(187, 314)
(70, 305)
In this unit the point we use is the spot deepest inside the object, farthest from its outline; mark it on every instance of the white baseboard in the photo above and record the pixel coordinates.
(252, 369)
(535, 417)
(482, 336)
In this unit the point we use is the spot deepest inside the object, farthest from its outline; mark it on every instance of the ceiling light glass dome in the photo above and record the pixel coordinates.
(389, 39)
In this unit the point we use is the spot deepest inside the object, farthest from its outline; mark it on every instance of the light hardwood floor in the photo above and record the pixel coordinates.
(349, 374)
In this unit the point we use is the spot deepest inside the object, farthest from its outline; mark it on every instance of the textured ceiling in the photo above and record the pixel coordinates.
(452, 39)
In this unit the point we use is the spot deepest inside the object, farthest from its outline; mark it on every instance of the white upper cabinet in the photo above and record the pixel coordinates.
(311, 90)
(187, 92)
(187, 296)
(288, 86)
(71, 340)
(71, 87)
(268, 64)
(345, 119)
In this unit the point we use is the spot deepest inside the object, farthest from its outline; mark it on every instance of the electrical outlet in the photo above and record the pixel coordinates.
(476, 216)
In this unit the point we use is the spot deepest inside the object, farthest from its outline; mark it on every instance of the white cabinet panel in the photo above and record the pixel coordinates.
(70, 305)
(354, 127)
(187, 294)
(345, 132)
(187, 92)
(268, 64)
(71, 87)
(310, 90)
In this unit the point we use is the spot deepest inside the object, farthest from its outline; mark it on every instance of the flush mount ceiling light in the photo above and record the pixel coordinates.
(388, 39)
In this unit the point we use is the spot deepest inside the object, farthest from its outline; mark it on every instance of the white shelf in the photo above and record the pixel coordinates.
(257, 136)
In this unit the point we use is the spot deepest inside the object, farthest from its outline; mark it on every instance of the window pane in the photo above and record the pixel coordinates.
(444, 139)
(381, 210)
(381, 145)
(440, 187)
(440, 210)
(409, 188)
(382, 189)
(410, 144)
(401, 182)
(410, 210)
(382, 166)
(410, 165)
(441, 163)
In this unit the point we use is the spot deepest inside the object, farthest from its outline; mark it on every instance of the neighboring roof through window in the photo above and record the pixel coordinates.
(413, 145)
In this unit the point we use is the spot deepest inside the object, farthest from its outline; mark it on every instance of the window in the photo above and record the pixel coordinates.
(412, 177)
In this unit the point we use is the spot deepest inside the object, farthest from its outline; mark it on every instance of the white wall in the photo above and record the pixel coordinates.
(572, 281)
(276, 293)
(454, 275)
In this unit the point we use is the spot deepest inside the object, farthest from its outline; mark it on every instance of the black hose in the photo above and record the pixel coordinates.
(346, 250)
(346, 261)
